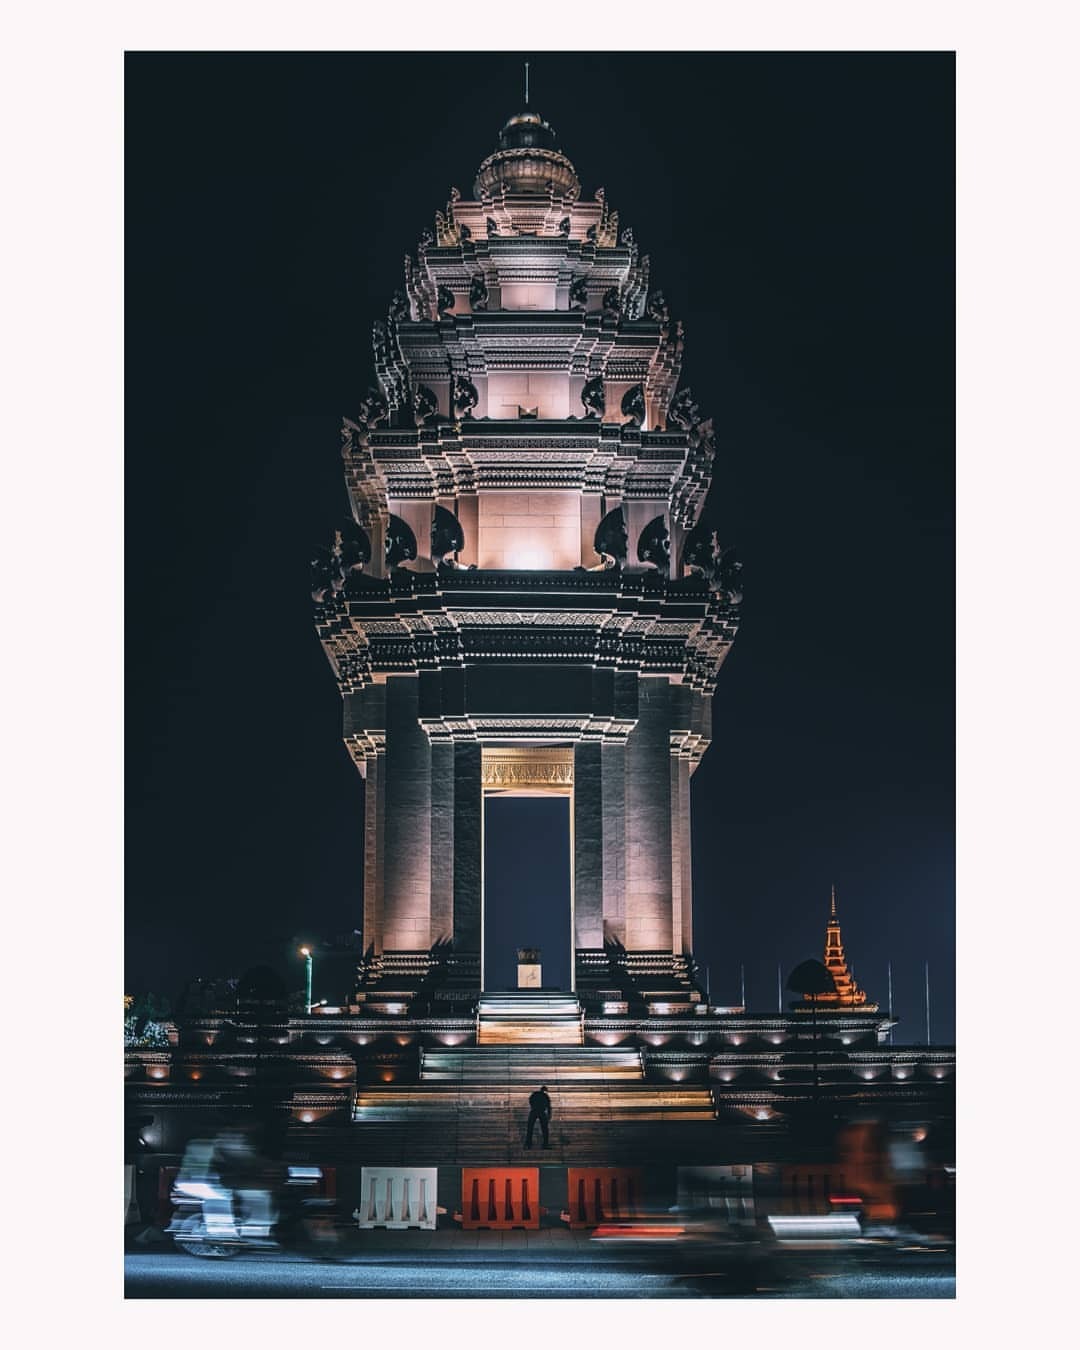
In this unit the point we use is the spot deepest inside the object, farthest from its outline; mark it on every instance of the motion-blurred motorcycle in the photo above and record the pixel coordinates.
(226, 1201)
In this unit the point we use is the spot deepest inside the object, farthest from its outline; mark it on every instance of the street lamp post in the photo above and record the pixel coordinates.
(305, 952)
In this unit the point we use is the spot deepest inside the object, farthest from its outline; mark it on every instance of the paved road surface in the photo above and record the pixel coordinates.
(174, 1275)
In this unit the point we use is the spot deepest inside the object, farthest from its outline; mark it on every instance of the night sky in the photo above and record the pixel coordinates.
(798, 210)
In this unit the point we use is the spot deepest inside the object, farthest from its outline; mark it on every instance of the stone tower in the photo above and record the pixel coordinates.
(526, 598)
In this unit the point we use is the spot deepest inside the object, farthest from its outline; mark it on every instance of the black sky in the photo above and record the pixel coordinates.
(798, 210)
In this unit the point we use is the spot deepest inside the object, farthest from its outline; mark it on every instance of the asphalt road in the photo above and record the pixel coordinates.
(175, 1275)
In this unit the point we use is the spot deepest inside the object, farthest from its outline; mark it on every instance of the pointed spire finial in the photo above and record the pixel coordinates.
(526, 84)
(832, 904)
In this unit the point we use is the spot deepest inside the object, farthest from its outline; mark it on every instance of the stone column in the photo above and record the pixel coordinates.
(468, 847)
(682, 936)
(376, 532)
(468, 513)
(374, 811)
(591, 516)
(407, 827)
(588, 846)
(648, 821)
(678, 541)
(442, 840)
(613, 798)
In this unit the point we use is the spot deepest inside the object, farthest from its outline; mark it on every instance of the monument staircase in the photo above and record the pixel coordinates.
(470, 1106)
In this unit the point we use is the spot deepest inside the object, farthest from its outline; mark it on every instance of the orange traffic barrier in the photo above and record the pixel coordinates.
(822, 1188)
(500, 1197)
(596, 1195)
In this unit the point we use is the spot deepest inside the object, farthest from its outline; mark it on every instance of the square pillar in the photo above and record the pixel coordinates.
(648, 821)
(442, 840)
(468, 513)
(407, 821)
(591, 515)
(613, 800)
(468, 847)
(374, 852)
(682, 936)
(588, 861)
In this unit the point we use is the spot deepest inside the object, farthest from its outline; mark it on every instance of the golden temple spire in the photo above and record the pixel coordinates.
(848, 995)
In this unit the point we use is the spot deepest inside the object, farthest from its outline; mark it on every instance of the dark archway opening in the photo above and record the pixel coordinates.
(526, 887)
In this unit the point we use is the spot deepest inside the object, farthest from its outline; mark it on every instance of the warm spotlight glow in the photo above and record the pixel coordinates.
(527, 558)
(305, 951)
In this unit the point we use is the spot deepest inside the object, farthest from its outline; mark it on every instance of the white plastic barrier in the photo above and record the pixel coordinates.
(398, 1197)
(729, 1190)
(814, 1227)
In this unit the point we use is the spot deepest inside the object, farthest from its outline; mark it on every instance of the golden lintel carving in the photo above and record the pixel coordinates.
(528, 766)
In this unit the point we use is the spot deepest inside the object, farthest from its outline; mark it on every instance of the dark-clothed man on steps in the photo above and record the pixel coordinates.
(539, 1110)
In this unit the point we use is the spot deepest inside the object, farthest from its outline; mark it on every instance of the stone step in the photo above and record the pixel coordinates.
(529, 1063)
(529, 1017)
(529, 1000)
(518, 1033)
(581, 1102)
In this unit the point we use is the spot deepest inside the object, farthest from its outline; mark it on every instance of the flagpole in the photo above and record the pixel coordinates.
(927, 972)
(890, 1004)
